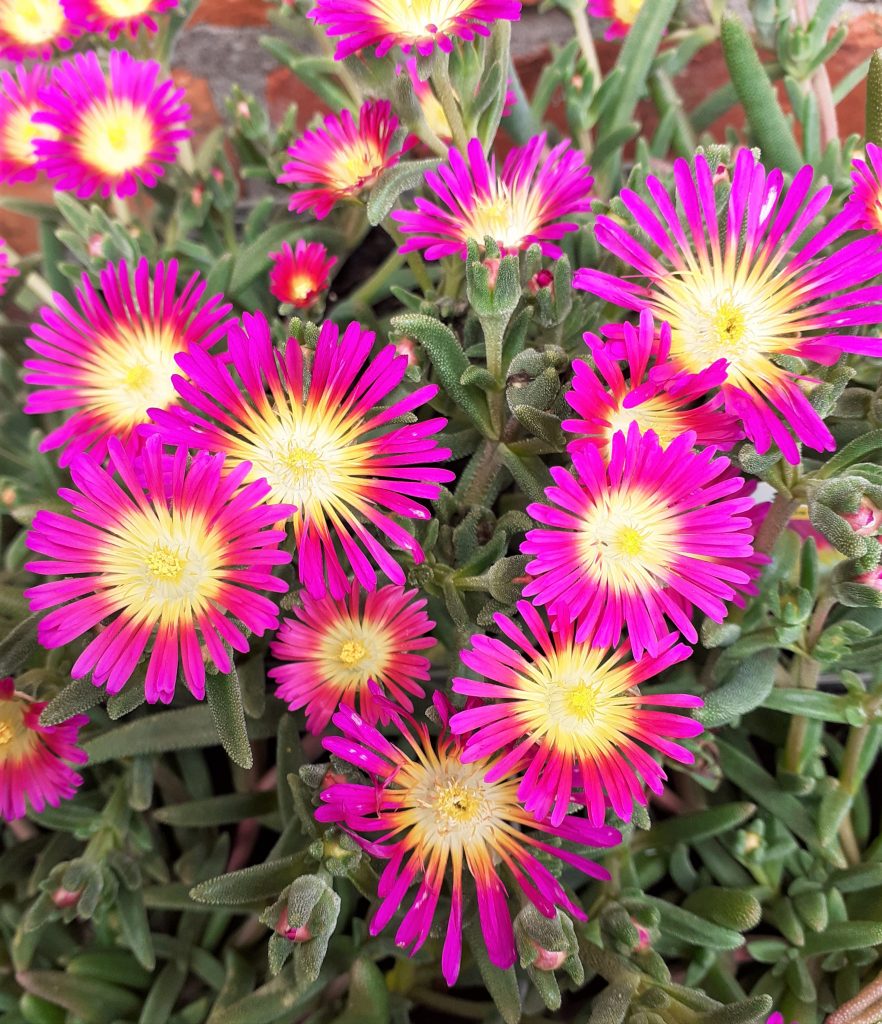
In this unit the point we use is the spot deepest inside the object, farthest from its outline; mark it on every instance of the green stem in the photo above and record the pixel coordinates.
(807, 671)
(579, 14)
(447, 98)
(776, 519)
(369, 289)
(494, 334)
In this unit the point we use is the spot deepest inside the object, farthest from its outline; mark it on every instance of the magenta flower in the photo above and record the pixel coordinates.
(32, 756)
(7, 271)
(569, 713)
(116, 131)
(324, 446)
(657, 395)
(333, 649)
(342, 159)
(622, 15)
(114, 17)
(411, 24)
(521, 205)
(432, 817)
(111, 356)
(300, 275)
(747, 298)
(19, 101)
(178, 562)
(34, 28)
(640, 540)
(865, 201)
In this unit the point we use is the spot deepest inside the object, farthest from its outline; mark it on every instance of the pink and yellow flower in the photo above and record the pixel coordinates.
(110, 357)
(116, 16)
(116, 130)
(7, 271)
(179, 562)
(323, 446)
(657, 395)
(19, 101)
(334, 649)
(34, 28)
(436, 819)
(865, 201)
(748, 297)
(298, 276)
(622, 15)
(522, 205)
(411, 24)
(640, 540)
(33, 768)
(570, 713)
(342, 159)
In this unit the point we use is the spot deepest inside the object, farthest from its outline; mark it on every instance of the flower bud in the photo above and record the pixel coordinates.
(64, 898)
(407, 347)
(867, 520)
(548, 959)
(541, 279)
(300, 933)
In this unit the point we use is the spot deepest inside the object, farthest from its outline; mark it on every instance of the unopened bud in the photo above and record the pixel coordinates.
(96, 245)
(492, 265)
(867, 520)
(548, 959)
(721, 174)
(407, 347)
(64, 898)
(644, 938)
(242, 109)
(196, 195)
(873, 578)
(301, 934)
(8, 496)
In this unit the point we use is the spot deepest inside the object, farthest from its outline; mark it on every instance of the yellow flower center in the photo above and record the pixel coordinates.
(508, 216)
(21, 133)
(124, 8)
(654, 414)
(458, 804)
(5, 733)
(16, 739)
(116, 137)
(300, 286)
(582, 701)
(166, 564)
(626, 11)
(420, 19)
(355, 168)
(32, 22)
(352, 652)
(451, 804)
(728, 322)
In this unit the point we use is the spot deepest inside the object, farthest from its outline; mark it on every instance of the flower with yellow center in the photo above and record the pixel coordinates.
(299, 275)
(31, 28)
(332, 650)
(751, 295)
(19, 102)
(865, 201)
(117, 16)
(33, 757)
(438, 821)
(571, 714)
(622, 15)
(167, 557)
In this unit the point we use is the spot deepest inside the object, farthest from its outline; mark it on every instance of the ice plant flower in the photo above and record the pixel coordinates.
(116, 16)
(747, 297)
(623, 14)
(19, 101)
(411, 24)
(170, 555)
(299, 275)
(778, 1018)
(571, 714)
(116, 131)
(33, 28)
(656, 395)
(640, 540)
(110, 356)
(35, 759)
(324, 446)
(865, 201)
(332, 649)
(524, 203)
(7, 271)
(435, 819)
(342, 159)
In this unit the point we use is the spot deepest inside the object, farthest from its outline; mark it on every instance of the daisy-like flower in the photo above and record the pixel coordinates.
(334, 648)
(411, 24)
(656, 396)
(33, 757)
(33, 28)
(110, 357)
(521, 205)
(115, 130)
(571, 712)
(622, 15)
(299, 275)
(170, 562)
(865, 201)
(7, 271)
(324, 446)
(436, 819)
(116, 16)
(19, 101)
(747, 297)
(342, 159)
(640, 540)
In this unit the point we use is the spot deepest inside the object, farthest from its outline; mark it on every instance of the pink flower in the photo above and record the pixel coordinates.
(333, 649)
(116, 130)
(865, 201)
(640, 540)
(327, 446)
(33, 28)
(33, 756)
(750, 297)
(111, 356)
(342, 159)
(19, 101)
(7, 271)
(410, 24)
(299, 276)
(521, 205)
(570, 715)
(623, 14)
(434, 817)
(177, 562)
(657, 395)
(114, 17)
